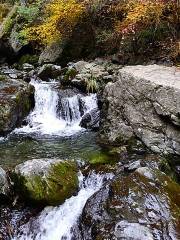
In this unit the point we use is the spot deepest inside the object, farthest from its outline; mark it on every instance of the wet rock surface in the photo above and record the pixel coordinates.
(49, 71)
(91, 120)
(140, 202)
(16, 100)
(45, 182)
(90, 76)
(143, 103)
(12, 217)
(140, 205)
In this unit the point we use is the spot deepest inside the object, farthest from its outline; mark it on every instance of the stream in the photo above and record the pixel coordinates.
(52, 131)
(147, 199)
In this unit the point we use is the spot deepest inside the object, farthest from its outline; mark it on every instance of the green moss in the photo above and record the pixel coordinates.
(101, 157)
(51, 188)
(98, 158)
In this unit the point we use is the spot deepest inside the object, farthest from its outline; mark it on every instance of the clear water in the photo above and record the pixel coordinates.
(52, 129)
(18, 149)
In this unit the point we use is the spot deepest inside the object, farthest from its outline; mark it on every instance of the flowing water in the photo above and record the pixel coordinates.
(57, 223)
(52, 131)
(47, 120)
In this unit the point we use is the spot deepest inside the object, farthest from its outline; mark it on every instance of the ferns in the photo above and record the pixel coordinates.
(91, 84)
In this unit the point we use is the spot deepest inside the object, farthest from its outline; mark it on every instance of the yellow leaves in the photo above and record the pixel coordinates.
(60, 18)
(139, 14)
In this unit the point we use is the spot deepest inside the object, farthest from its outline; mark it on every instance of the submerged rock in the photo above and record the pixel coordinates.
(48, 182)
(142, 205)
(143, 103)
(16, 101)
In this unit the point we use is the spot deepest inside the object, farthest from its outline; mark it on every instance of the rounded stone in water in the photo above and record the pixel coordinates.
(48, 182)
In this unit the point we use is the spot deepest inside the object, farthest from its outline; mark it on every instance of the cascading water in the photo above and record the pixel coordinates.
(59, 112)
(57, 223)
(56, 115)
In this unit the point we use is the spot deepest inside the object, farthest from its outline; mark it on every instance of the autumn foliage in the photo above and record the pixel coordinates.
(126, 26)
(140, 14)
(60, 16)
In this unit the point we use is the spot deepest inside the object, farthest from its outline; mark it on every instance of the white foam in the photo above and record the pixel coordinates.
(47, 119)
(55, 223)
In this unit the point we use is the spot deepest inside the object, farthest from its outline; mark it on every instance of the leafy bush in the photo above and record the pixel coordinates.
(149, 24)
(59, 19)
(8, 22)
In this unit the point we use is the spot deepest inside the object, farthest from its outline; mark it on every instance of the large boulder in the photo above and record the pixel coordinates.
(143, 205)
(143, 103)
(16, 101)
(46, 182)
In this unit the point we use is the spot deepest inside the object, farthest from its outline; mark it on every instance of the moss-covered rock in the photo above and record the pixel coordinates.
(46, 182)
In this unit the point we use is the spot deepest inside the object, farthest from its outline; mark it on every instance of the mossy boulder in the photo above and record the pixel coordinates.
(46, 182)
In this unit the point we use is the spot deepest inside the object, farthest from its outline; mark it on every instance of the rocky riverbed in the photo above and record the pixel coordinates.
(89, 151)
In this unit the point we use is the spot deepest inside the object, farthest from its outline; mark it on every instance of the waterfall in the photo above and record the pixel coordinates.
(56, 223)
(55, 114)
